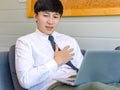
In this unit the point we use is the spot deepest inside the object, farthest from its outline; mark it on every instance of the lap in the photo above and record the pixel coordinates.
(89, 86)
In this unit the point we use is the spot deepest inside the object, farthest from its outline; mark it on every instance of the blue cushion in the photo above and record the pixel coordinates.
(5, 76)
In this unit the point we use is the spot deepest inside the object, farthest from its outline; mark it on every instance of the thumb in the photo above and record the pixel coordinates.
(56, 48)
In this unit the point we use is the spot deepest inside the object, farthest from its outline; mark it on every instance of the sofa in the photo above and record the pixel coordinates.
(6, 82)
(8, 78)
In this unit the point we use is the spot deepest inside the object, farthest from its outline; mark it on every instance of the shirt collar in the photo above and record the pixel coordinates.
(43, 35)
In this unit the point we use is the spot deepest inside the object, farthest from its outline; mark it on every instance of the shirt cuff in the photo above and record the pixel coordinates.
(52, 65)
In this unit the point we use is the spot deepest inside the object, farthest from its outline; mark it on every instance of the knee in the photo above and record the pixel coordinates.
(96, 85)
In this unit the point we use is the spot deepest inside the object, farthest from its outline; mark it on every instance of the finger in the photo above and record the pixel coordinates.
(56, 48)
(72, 54)
(70, 50)
(71, 57)
(66, 47)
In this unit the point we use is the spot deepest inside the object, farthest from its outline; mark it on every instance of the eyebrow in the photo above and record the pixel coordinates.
(55, 13)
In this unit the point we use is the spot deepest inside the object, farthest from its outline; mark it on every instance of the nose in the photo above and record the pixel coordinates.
(50, 20)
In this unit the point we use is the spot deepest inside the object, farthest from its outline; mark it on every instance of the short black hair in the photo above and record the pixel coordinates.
(48, 5)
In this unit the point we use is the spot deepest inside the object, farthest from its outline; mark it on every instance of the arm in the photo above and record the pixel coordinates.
(78, 57)
(29, 74)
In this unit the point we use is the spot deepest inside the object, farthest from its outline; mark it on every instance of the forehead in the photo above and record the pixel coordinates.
(49, 12)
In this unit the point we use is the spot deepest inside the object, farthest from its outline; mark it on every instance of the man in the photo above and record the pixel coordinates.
(38, 62)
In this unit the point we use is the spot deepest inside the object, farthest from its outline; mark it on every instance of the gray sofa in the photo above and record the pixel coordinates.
(8, 78)
(5, 75)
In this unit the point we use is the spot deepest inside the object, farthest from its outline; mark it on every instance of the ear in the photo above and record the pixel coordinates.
(35, 16)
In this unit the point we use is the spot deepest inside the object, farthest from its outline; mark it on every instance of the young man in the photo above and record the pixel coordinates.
(37, 64)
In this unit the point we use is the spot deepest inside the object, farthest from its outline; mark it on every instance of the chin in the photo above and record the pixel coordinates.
(50, 32)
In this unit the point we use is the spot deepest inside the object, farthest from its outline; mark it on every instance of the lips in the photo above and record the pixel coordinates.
(49, 28)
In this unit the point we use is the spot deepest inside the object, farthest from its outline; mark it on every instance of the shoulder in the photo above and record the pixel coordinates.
(64, 36)
(57, 34)
(26, 39)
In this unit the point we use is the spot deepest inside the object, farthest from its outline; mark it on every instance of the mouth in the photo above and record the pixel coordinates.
(50, 28)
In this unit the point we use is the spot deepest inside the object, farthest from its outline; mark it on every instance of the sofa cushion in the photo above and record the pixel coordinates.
(12, 68)
(5, 75)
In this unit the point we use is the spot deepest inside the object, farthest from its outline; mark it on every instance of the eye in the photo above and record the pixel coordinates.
(45, 15)
(56, 16)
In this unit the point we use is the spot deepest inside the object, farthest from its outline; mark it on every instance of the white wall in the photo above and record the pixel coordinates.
(101, 32)
(93, 32)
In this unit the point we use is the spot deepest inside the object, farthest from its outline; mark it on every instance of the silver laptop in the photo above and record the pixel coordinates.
(97, 66)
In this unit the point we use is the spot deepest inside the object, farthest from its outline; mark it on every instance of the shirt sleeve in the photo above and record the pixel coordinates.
(28, 74)
(78, 57)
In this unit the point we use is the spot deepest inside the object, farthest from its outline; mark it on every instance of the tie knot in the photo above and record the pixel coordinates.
(51, 38)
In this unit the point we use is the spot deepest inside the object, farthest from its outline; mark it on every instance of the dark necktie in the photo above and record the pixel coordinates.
(51, 39)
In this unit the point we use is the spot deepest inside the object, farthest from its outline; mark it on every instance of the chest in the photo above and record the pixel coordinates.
(43, 52)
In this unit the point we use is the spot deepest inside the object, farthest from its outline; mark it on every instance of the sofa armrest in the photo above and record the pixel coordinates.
(5, 75)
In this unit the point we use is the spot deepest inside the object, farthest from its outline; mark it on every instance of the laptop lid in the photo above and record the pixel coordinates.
(101, 66)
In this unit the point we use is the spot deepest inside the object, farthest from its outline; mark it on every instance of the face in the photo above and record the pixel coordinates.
(47, 21)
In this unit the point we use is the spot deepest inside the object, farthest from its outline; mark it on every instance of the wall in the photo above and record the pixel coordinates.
(13, 22)
(101, 32)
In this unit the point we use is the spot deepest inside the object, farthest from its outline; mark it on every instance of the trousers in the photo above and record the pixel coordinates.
(88, 86)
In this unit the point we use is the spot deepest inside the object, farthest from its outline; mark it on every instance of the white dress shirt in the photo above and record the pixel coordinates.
(34, 60)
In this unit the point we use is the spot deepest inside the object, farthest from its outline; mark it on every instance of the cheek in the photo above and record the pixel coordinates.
(41, 22)
(57, 22)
